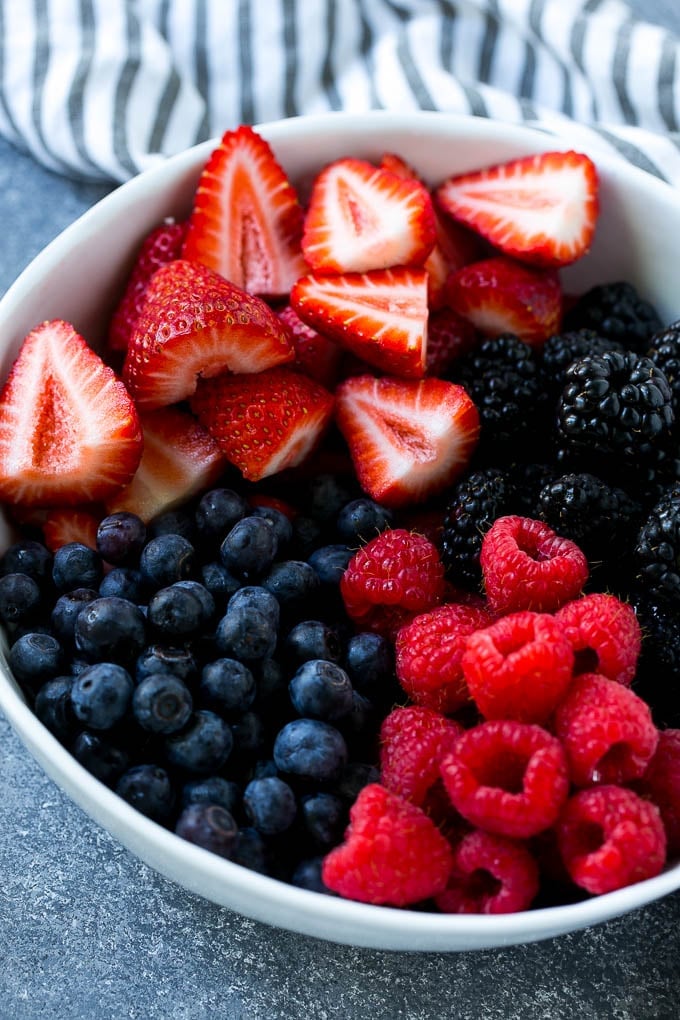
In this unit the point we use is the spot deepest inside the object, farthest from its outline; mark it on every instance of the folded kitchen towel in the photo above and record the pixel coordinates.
(102, 89)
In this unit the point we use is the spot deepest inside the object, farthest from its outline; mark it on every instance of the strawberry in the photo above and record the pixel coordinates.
(195, 323)
(361, 217)
(448, 338)
(380, 316)
(70, 524)
(246, 221)
(315, 355)
(408, 440)
(264, 422)
(541, 209)
(180, 459)
(162, 245)
(69, 432)
(499, 295)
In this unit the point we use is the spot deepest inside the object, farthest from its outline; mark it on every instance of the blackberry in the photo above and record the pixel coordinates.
(657, 550)
(527, 481)
(504, 378)
(617, 312)
(657, 679)
(475, 504)
(561, 349)
(664, 351)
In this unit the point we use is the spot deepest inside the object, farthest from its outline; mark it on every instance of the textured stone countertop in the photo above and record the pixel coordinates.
(87, 931)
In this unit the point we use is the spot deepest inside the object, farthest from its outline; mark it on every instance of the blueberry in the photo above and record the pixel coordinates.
(307, 535)
(311, 749)
(20, 598)
(250, 548)
(204, 597)
(220, 582)
(217, 513)
(212, 790)
(246, 634)
(53, 708)
(352, 779)
(110, 629)
(308, 875)
(227, 686)
(369, 661)
(162, 703)
(293, 583)
(98, 755)
(325, 817)
(361, 520)
(313, 639)
(101, 695)
(270, 805)
(175, 612)
(250, 735)
(321, 690)
(359, 723)
(330, 563)
(28, 557)
(203, 746)
(124, 583)
(173, 522)
(120, 538)
(253, 596)
(271, 685)
(148, 788)
(35, 658)
(159, 658)
(326, 495)
(209, 826)
(282, 524)
(76, 566)
(167, 559)
(66, 611)
(264, 769)
(251, 851)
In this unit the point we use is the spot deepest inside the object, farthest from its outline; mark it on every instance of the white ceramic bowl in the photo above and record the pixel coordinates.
(78, 276)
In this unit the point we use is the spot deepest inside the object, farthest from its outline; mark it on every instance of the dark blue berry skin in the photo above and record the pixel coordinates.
(352, 779)
(175, 612)
(293, 583)
(166, 559)
(321, 690)
(173, 522)
(359, 727)
(307, 536)
(254, 596)
(228, 686)
(217, 513)
(282, 524)
(369, 661)
(251, 851)
(20, 599)
(110, 629)
(35, 658)
(330, 563)
(203, 746)
(250, 548)
(325, 497)
(212, 790)
(66, 610)
(124, 583)
(149, 789)
(28, 557)
(312, 639)
(270, 805)
(101, 695)
(220, 582)
(53, 708)
(307, 875)
(325, 818)
(76, 566)
(310, 749)
(158, 658)
(264, 769)
(246, 634)
(272, 686)
(162, 703)
(209, 826)
(250, 735)
(361, 520)
(120, 538)
(205, 598)
(99, 756)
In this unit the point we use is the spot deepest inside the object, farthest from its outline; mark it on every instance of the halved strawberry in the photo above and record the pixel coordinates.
(315, 355)
(361, 217)
(541, 209)
(408, 440)
(194, 323)
(246, 221)
(380, 316)
(265, 422)
(162, 245)
(448, 337)
(69, 431)
(70, 524)
(180, 460)
(500, 295)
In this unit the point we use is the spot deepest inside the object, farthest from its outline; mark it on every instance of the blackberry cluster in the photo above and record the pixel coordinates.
(616, 312)
(657, 678)
(473, 506)
(664, 351)
(562, 349)
(657, 550)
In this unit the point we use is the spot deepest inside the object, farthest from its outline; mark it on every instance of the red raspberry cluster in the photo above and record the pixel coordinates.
(524, 758)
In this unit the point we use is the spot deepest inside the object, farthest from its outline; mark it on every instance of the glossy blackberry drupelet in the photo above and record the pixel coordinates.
(657, 551)
(210, 826)
(664, 351)
(561, 349)
(617, 312)
(657, 678)
(600, 518)
(473, 506)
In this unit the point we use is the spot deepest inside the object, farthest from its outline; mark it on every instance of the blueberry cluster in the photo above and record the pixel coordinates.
(204, 669)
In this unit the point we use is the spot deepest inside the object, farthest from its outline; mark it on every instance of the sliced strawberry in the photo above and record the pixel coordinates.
(162, 245)
(448, 338)
(195, 323)
(180, 460)
(246, 221)
(315, 355)
(408, 440)
(500, 295)
(541, 209)
(361, 217)
(265, 422)
(70, 524)
(380, 316)
(69, 432)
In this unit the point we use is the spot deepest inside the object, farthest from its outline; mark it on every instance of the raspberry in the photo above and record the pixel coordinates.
(392, 578)
(605, 635)
(525, 565)
(518, 668)
(661, 784)
(491, 875)
(609, 838)
(429, 650)
(392, 852)
(413, 742)
(507, 777)
(606, 730)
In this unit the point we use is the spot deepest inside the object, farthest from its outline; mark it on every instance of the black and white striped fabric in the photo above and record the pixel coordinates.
(102, 89)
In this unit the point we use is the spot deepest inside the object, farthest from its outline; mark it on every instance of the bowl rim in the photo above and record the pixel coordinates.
(342, 918)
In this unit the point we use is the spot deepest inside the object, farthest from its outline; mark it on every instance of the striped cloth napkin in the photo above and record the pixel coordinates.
(102, 89)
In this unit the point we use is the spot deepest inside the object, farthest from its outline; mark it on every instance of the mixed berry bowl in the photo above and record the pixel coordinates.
(247, 780)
